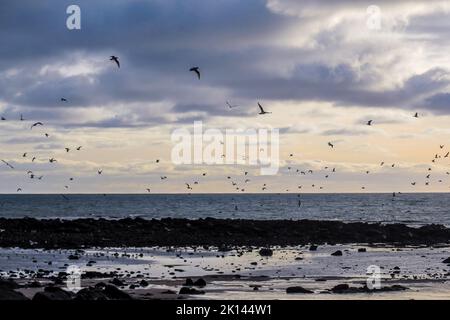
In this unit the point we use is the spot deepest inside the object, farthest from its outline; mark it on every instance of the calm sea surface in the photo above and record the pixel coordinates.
(414, 209)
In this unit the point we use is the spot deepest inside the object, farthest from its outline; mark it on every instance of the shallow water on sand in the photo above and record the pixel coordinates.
(413, 209)
(420, 269)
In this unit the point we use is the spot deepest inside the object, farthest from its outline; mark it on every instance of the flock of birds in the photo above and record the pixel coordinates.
(235, 183)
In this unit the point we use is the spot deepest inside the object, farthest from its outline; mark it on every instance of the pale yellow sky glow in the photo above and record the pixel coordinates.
(318, 68)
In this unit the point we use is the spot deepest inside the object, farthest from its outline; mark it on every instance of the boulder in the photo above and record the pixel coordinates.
(53, 294)
(266, 252)
(298, 289)
(337, 253)
(200, 282)
(187, 290)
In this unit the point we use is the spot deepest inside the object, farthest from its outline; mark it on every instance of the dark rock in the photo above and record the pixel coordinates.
(266, 252)
(446, 260)
(35, 284)
(102, 291)
(114, 293)
(200, 282)
(90, 294)
(10, 294)
(340, 288)
(8, 284)
(73, 257)
(337, 253)
(143, 283)
(52, 294)
(189, 282)
(362, 250)
(224, 233)
(187, 290)
(298, 289)
(117, 282)
(313, 248)
(168, 292)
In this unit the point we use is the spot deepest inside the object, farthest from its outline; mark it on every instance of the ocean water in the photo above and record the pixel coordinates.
(412, 209)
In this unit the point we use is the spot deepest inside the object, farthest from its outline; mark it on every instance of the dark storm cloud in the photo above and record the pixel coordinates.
(158, 41)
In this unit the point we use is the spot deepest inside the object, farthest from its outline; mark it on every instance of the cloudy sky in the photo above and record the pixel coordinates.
(322, 69)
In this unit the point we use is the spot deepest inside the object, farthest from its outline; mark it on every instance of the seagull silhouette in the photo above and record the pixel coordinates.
(196, 70)
(261, 109)
(231, 106)
(7, 164)
(331, 145)
(416, 115)
(36, 124)
(369, 123)
(116, 60)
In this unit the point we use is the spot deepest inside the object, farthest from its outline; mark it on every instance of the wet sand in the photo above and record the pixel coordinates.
(242, 273)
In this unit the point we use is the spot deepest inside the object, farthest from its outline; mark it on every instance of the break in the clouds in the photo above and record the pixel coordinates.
(305, 58)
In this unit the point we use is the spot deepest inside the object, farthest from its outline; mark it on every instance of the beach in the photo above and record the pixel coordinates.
(221, 259)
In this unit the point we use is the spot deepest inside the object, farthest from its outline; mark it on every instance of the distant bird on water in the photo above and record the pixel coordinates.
(63, 99)
(116, 60)
(196, 70)
(416, 115)
(330, 144)
(369, 123)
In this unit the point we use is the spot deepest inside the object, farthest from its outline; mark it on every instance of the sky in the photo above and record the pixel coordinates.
(322, 68)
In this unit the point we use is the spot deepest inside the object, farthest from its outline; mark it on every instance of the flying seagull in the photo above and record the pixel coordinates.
(100, 171)
(330, 144)
(19, 189)
(369, 123)
(416, 115)
(116, 60)
(67, 149)
(262, 110)
(37, 124)
(7, 164)
(79, 148)
(196, 70)
(231, 106)
(52, 160)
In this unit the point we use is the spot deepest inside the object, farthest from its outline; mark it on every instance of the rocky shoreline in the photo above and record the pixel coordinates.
(80, 233)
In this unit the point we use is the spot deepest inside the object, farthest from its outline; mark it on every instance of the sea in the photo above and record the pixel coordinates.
(413, 209)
